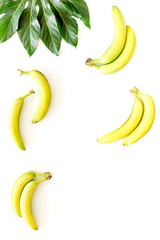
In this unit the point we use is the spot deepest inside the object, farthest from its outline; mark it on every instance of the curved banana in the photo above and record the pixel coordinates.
(26, 200)
(147, 119)
(44, 94)
(123, 58)
(128, 126)
(118, 41)
(14, 120)
(18, 188)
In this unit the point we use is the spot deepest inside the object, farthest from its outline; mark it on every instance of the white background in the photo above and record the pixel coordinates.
(97, 191)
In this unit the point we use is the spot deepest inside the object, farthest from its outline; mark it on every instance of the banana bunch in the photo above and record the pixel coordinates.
(120, 51)
(139, 122)
(42, 108)
(22, 194)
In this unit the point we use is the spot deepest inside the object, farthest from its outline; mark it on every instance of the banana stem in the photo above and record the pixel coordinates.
(139, 93)
(46, 175)
(39, 174)
(95, 66)
(134, 94)
(27, 94)
(40, 180)
(135, 90)
(23, 72)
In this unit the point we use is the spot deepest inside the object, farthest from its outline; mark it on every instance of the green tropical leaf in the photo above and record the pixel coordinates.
(51, 21)
(69, 26)
(50, 34)
(72, 9)
(79, 9)
(11, 11)
(29, 28)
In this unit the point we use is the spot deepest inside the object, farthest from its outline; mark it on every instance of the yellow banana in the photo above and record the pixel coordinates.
(18, 188)
(146, 121)
(128, 126)
(118, 41)
(44, 94)
(26, 200)
(123, 58)
(14, 120)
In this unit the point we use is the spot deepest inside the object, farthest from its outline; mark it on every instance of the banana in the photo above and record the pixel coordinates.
(130, 124)
(26, 200)
(118, 41)
(18, 188)
(14, 120)
(123, 58)
(146, 121)
(44, 94)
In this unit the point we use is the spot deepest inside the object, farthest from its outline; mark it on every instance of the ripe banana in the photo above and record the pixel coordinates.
(146, 121)
(118, 41)
(123, 58)
(18, 188)
(44, 94)
(128, 126)
(26, 200)
(14, 120)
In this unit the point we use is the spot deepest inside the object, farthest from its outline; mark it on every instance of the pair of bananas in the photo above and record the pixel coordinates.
(139, 122)
(42, 108)
(120, 51)
(22, 194)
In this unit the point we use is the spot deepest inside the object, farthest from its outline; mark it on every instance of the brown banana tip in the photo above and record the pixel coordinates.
(134, 90)
(33, 121)
(20, 72)
(32, 91)
(89, 62)
(48, 175)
